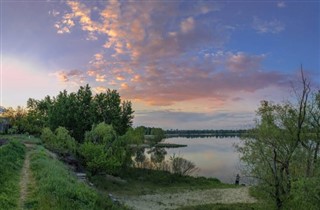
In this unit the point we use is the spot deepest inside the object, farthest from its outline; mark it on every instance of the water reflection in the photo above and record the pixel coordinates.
(215, 157)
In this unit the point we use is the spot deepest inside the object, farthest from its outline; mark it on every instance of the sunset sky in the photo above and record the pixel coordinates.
(183, 64)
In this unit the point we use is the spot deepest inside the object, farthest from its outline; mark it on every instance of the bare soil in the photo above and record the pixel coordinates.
(25, 177)
(188, 198)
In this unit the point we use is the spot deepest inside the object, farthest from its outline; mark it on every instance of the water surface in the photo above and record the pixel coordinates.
(215, 157)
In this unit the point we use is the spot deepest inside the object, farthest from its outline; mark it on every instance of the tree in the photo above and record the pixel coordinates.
(59, 141)
(77, 112)
(107, 107)
(182, 167)
(17, 119)
(102, 150)
(275, 148)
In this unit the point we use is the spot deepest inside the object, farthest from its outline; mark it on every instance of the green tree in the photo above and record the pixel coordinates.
(107, 107)
(274, 150)
(77, 112)
(59, 141)
(158, 134)
(102, 150)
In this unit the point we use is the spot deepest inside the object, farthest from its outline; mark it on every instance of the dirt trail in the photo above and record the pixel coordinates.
(25, 177)
(189, 198)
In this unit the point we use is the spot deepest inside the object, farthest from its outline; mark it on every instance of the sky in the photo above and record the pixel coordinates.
(182, 64)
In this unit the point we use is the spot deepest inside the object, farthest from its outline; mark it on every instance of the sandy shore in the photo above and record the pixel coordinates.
(188, 198)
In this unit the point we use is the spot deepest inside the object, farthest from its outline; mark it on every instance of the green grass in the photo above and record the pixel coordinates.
(145, 181)
(11, 162)
(57, 188)
(22, 138)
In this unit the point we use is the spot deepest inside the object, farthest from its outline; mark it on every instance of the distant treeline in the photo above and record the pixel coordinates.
(204, 133)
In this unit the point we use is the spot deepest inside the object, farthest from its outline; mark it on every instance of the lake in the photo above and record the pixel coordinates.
(214, 156)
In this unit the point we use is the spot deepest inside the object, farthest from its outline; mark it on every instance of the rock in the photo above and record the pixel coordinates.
(115, 179)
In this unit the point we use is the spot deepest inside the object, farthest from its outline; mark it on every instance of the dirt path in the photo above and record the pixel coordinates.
(191, 198)
(25, 177)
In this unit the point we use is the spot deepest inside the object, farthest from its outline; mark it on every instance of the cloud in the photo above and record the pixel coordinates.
(187, 25)
(217, 78)
(76, 76)
(154, 51)
(281, 4)
(100, 78)
(100, 89)
(243, 62)
(272, 26)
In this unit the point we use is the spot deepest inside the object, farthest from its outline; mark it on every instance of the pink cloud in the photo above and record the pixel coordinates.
(242, 62)
(162, 66)
(160, 87)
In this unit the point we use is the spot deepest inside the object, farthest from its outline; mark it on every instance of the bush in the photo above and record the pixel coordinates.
(48, 137)
(102, 151)
(182, 166)
(65, 142)
(60, 141)
(305, 194)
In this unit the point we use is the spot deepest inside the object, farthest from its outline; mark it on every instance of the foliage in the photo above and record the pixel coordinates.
(57, 189)
(76, 111)
(60, 141)
(204, 133)
(102, 150)
(182, 166)
(146, 181)
(153, 135)
(175, 165)
(282, 151)
(11, 161)
(134, 136)
(158, 134)
(17, 119)
(306, 194)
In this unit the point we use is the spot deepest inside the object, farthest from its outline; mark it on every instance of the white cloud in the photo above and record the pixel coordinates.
(281, 4)
(187, 25)
(272, 26)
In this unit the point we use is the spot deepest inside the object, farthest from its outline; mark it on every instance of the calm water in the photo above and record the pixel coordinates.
(215, 157)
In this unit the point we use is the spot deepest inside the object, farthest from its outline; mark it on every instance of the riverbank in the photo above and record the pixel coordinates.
(45, 180)
(163, 201)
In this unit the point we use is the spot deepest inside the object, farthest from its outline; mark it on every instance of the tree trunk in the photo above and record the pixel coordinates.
(315, 157)
(277, 181)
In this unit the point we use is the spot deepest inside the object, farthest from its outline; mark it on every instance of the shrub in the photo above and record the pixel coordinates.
(305, 194)
(102, 150)
(65, 142)
(182, 166)
(60, 141)
(48, 137)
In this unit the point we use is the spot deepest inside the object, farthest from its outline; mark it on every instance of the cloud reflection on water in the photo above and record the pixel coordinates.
(215, 157)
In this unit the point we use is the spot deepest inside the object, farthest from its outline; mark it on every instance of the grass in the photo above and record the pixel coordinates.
(27, 139)
(11, 162)
(145, 181)
(57, 188)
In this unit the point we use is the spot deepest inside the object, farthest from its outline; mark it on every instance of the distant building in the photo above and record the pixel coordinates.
(4, 122)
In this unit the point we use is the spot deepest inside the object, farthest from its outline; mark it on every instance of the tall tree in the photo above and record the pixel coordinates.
(273, 150)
